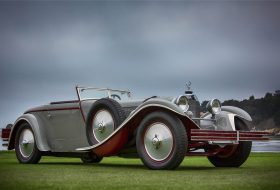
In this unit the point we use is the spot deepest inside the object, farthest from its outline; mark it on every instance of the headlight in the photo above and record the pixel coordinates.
(214, 106)
(182, 102)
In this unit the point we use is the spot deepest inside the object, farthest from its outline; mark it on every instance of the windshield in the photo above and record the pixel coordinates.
(86, 93)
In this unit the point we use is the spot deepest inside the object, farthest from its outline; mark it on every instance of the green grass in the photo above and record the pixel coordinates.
(261, 171)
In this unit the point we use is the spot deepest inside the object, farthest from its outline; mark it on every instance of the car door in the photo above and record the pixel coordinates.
(64, 127)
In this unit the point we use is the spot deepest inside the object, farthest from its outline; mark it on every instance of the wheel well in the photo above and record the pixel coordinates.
(244, 122)
(135, 122)
(14, 132)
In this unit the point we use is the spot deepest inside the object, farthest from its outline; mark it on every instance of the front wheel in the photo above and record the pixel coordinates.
(161, 141)
(25, 145)
(233, 155)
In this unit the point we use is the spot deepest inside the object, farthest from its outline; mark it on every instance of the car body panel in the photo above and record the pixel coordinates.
(62, 125)
(64, 129)
(111, 145)
(38, 128)
(224, 121)
(239, 112)
(115, 142)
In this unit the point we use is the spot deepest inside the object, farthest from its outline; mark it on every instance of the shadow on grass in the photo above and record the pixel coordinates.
(197, 168)
(61, 163)
(141, 166)
(105, 165)
(128, 166)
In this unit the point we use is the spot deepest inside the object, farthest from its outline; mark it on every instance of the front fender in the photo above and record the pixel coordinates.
(38, 130)
(239, 112)
(116, 141)
(229, 113)
(158, 102)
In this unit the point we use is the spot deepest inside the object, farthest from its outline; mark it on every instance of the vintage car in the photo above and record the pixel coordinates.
(161, 131)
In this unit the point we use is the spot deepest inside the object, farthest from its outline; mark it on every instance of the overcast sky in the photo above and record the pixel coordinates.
(228, 49)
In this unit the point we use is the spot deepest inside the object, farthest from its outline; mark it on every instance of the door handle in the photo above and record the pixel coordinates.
(49, 115)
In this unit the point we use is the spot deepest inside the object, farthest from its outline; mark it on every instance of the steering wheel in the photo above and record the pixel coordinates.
(114, 96)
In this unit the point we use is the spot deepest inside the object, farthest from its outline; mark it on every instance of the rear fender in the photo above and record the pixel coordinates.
(38, 130)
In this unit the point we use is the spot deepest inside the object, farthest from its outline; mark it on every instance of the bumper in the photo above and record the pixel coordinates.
(232, 136)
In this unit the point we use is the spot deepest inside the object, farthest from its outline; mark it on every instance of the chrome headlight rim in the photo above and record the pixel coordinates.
(214, 106)
(182, 102)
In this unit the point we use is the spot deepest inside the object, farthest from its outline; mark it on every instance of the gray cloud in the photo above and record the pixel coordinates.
(227, 49)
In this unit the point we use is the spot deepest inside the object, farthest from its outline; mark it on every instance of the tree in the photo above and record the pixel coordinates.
(252, 98)
(276, 118)
(268, 95)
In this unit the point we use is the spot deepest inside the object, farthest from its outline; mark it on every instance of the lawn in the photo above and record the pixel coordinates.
(261, 171)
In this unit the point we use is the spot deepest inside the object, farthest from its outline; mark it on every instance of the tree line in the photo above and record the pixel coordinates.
(261, 109)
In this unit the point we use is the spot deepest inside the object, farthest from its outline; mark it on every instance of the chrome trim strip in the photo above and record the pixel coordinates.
(50, 109)
(237, 135)
(204, 119)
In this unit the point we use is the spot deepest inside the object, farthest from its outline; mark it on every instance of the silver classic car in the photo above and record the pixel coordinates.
(160, 130)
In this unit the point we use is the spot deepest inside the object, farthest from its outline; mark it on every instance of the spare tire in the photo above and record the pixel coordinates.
(104, 117)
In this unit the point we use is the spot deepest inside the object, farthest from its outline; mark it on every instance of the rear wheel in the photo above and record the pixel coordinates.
(91, 158)
(233, 155)
(25, 145)
(161, 141)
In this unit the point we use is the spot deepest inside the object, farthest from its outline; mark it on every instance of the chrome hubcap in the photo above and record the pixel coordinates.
(158, 141)
(26, 143)
(102, 125)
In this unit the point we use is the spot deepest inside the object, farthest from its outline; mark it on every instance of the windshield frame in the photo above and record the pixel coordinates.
(109, 92)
